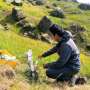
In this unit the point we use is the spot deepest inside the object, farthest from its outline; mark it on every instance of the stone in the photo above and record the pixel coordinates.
(46, 38)
(81, 80)
(9, 1)
(49, 6)
(44, 24)
(40, 2)
(22, 23)
(32, 35)
(17, 14)
(1, 27)
(84, 6)
(88, 46)
(37, 2)
(17, 2)
(27, 27)
(57, 12)
(77, 28)
(70, 0)
(32, 2)
(54, 4)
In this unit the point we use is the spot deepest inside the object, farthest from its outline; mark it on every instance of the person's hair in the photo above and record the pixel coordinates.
(55, 29)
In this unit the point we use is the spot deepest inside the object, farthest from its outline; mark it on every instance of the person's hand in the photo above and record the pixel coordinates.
(47, 65)
(40, 57)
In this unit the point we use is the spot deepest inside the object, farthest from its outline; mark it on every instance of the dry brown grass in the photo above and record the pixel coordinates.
(20, 83)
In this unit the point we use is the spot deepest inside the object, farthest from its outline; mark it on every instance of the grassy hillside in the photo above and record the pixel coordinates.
(19, 45)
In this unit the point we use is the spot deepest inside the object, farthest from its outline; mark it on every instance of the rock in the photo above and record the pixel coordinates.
(32, 2)
(6, 26)
(70, 0)
(17, 2)
(1, 27)
(17, 14)
(45, 37)
(81, 80)
(88, 46)
(22, 23)
(28, 30)
(54, 4)
(77, 28)
(57, 12)
(84, 6)
(40, 2)
(9, 1)
(77, 31)
(31, 35)
(27, 27)
(44, 24)
(37, 2)
(49, 6)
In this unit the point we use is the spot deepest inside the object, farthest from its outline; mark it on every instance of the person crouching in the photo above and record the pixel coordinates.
(68, 63)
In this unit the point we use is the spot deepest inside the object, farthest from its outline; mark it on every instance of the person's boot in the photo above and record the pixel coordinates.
(72, 81)
(81, 80)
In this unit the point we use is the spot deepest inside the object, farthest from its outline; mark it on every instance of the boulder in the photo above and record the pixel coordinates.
(17, 2)
(46, 38)
(57, 12)
(40, 2)
(32, 2)
(27, 28)
(1, 27)
(84, 6)
(44, 24)
(77, 28)
(54, 4)
(88, 46)
(9, 1)
(81, 80)
(17, 14)
(49, 6)
(31, 34)
(78, 32)
(37, 2)
(22, 23)
(70, 0)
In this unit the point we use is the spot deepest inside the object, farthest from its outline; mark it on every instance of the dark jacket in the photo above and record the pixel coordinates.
(69, 55)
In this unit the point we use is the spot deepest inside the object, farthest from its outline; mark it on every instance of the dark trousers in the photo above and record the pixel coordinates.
(63, 74)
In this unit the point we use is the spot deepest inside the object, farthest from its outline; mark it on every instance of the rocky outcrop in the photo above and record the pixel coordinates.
(77, 31)
(57, 12)
(88, 47)
(84, 6)
(77, 28)
(40, 2)
(17, 14)
(44, 24)
(69, 0)
(27, 29)
(46, 38)
(37, 2)
(15, 2)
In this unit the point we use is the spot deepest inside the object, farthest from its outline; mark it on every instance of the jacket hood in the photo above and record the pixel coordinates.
(67, 35)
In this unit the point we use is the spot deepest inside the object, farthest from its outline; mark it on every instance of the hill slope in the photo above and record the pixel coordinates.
(18, 45)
